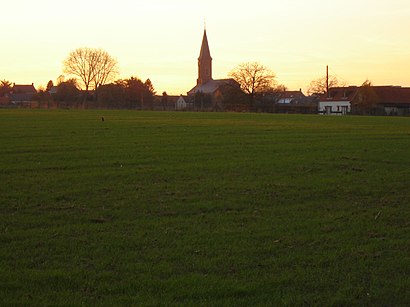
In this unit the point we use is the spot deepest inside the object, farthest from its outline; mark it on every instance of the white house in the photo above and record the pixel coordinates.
(181, 104)
(287, 97)
(338, 100)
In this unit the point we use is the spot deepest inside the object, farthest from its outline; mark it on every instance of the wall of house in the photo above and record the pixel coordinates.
(180, 105)
(285, 100)
(400, 111)
(334, 107)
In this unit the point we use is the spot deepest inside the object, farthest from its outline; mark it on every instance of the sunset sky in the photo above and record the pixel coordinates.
(160, 39)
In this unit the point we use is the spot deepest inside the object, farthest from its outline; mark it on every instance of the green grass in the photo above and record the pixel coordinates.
(203, 209)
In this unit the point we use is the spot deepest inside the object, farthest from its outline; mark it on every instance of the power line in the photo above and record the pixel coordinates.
(339, 77)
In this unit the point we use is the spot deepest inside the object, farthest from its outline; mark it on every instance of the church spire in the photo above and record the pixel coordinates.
(204, 62)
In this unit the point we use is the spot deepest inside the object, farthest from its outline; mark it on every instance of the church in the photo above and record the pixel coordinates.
(215, 90)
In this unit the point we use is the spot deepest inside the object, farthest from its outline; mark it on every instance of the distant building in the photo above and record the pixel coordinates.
(287, 97)
(183, 104)
(22, 94)
(338, 100)
(53, 90)
(209, 93)
(377, 100)
(286, 102)
(395, 100)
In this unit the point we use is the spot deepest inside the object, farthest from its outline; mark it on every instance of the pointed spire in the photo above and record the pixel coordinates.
(204, 62)
(205, 53)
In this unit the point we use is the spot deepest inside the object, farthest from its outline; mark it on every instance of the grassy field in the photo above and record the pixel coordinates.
(203, 209)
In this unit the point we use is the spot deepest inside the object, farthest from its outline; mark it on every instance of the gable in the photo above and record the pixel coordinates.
(340, 94)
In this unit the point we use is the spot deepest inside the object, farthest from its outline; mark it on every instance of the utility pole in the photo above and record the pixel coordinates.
(327, 80)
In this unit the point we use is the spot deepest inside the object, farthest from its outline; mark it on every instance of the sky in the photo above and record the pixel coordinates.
(161, 39)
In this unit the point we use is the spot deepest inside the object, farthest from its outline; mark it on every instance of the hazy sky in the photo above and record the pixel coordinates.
(160, 39)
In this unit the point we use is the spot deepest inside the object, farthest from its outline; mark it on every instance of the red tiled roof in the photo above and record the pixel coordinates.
(387, 95)
(340, 94)
(393, 94)
(24, 89)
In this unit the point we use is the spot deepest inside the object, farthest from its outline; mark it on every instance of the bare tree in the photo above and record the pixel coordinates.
(94, 67)
(106, 68)
(366, 100)
(319, 85)
(60, 79)
(5, 87)
(280, 88)
(253, 78)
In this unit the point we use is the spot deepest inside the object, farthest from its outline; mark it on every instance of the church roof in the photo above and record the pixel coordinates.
(211, 86)
(204, 53)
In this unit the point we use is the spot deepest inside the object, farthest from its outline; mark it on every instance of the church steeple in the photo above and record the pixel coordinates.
(204, 62)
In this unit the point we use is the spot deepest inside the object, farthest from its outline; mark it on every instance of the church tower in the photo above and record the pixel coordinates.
(204, 62)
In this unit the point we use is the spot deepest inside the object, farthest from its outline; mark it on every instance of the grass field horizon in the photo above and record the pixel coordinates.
(169, 208)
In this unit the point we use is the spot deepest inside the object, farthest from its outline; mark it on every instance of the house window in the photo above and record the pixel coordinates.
(345, 109)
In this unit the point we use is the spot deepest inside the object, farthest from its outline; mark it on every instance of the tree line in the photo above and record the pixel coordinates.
(122, 93)
(93, 83)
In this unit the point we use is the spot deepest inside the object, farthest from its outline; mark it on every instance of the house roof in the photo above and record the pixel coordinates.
(211, 86)
(22, 92)
(393, 94)
(168, 100)
(53, 90)
(291, 95)
(387, 95)
(23, 89)
(346, 93)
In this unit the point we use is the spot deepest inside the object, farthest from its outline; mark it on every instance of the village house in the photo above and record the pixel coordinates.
(183, 104)
(395, 100)
(170, 103)
(287, 97)
(384, 100)
(22, 94)
(338, 100)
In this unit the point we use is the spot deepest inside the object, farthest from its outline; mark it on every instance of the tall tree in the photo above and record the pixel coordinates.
(135, 90)
(94, 67)
(106, 68)
(67, 91)
(319, 85)
(149, 87)
(253, 78)
(60, 79)
(366, 100)
(149, 92)
(50, 84)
